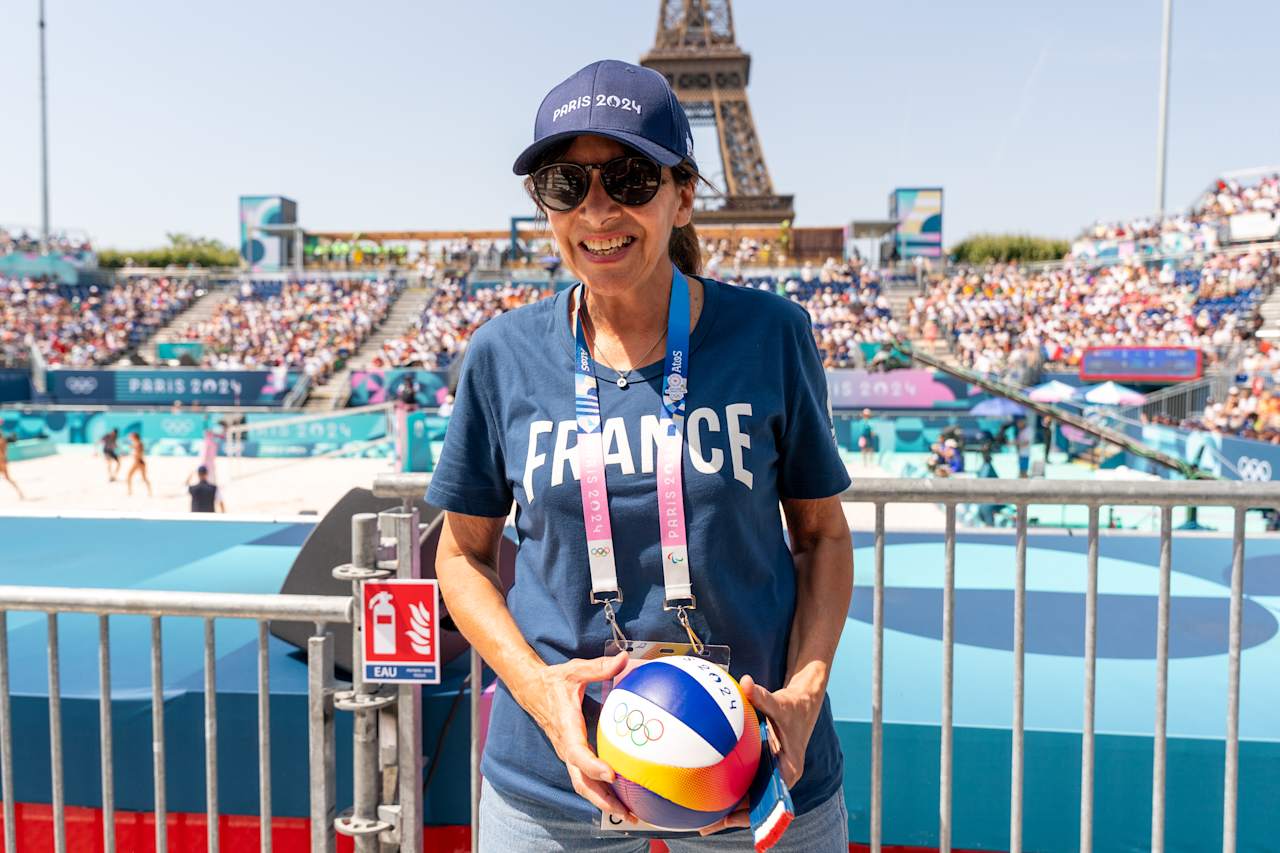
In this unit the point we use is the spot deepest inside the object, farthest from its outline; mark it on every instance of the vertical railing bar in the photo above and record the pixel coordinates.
(210, 736)
(321, 745)
(877, 688)
(1019, 663)
(157, 737)
(948, 649)
(55, 740)
(6, 741)
(1231, 780)
(105, 738)
(1090, 670)
(1159, 755)
(264, 742)
(477, 688)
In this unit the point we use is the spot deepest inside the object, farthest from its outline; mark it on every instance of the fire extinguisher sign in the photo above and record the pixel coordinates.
(401, 632)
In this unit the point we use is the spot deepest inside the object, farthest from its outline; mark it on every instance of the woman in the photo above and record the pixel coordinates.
(740, 397)
(138, 464)
(4, 465)
(110, 452)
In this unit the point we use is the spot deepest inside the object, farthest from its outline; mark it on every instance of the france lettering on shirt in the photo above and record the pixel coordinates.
(549, 440)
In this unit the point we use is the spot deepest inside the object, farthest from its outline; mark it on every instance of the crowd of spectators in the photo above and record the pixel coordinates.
(84, 326)
(722, 257)
(453, 314)
(311, 326)
(28, 240)
(1227, 197)
(850, 314)
(1249, 411)
(1004, 317)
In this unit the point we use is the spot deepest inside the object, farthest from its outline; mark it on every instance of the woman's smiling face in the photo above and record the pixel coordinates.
(614, 247)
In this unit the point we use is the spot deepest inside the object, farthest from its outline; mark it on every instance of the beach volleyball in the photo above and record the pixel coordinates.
(682, 739)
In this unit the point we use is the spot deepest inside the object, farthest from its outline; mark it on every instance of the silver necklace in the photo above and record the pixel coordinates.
(622, 381)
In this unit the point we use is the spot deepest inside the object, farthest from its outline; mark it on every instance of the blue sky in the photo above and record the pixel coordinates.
(1035, 116)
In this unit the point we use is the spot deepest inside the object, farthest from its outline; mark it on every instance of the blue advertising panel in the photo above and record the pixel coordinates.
(1221, 455)
(1141, 364)
(164, 387)
(15, 385)
(177, 349)
(383, 386)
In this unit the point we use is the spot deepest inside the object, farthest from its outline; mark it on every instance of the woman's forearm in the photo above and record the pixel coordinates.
(823, 555)
(823, 589)
(480, 612)
(466, 560)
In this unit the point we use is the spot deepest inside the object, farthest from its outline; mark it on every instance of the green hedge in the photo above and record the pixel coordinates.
(985, 248)
(183, 250)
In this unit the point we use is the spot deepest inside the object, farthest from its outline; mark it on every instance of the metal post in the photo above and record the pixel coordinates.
(44, 141)
(477, 687)
(321, 744)
(210, 736)
(105, 736)
(948, 651)
(1162, 138)
(409, 702)
(1019, 665)
(877, 689)
(1090, 671)
(1231, 779)
(1159, 757)
(6, 741)
(55, 740)
(264, 742)
(363, 823)
(157, 737)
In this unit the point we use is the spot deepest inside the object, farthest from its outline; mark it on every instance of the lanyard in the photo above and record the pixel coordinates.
(595, 491)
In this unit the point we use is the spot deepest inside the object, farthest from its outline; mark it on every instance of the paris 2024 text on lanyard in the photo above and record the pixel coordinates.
(605, 589)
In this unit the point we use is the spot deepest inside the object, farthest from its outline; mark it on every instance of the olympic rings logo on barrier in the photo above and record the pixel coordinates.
(633, 724)
(177, 426)
(82, 385)
(1253, 470)
(599, 551)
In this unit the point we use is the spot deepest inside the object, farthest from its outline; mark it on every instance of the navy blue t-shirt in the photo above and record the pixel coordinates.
(758, 429)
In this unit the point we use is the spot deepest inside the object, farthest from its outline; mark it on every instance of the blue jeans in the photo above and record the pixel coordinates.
(511, 825)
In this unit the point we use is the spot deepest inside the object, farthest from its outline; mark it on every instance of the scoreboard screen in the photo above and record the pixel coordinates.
(1141, 364)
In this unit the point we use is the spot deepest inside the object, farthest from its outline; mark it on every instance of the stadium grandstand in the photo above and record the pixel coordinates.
(313, 325)
(85, 325)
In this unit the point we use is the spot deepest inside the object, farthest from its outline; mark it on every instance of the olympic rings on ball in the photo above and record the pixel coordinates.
(634, 724)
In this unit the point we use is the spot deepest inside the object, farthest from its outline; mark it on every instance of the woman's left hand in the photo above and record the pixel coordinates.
(792, 714)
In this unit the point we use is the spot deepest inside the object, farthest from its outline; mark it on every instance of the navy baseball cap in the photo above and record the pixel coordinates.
(621, 101)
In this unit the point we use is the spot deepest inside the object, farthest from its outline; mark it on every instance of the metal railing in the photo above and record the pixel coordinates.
(1092, 494)
(387, 756)
(319, 609)
(1022, 494)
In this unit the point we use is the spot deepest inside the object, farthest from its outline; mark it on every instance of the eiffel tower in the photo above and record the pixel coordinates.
(697, 52)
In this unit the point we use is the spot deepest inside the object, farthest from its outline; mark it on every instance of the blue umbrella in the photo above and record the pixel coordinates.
(997, 407)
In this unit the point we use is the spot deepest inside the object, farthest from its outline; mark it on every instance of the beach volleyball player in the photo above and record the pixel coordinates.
(576, 408)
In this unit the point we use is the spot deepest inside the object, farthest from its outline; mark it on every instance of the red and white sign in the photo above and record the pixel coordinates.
(401, 631)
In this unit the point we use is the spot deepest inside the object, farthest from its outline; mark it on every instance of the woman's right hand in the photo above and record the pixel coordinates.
(553, 696)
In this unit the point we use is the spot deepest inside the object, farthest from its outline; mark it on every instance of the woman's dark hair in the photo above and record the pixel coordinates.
(684, 247)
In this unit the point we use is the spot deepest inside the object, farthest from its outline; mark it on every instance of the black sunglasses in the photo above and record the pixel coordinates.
(632, 181)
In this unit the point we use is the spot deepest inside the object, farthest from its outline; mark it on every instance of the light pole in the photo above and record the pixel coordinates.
(44, 143)
(1162, 139)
